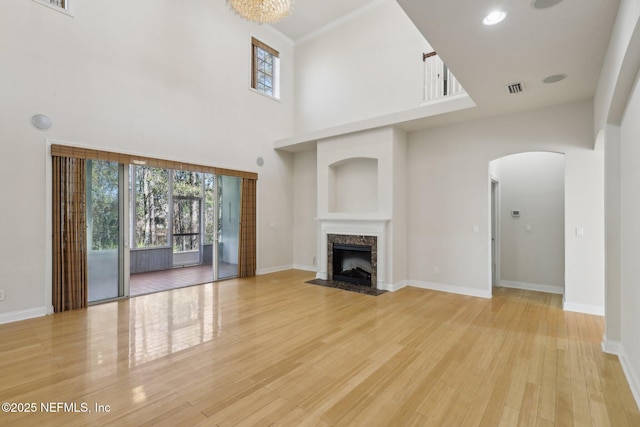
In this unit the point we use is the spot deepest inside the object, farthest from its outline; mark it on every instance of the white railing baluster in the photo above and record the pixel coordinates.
(434, 79)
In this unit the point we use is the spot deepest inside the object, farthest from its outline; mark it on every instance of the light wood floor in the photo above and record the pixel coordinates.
(273, 350)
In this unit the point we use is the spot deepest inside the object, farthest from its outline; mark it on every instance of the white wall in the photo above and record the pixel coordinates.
(399, 227)
(613, 233)
(157, 77)
(616, 112)
(584, 208)
(532, 244)
(630, 240)
(449, 187)
(305, 211)
(345, 75)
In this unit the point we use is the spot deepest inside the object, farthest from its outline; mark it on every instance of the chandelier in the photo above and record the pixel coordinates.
(262, 11)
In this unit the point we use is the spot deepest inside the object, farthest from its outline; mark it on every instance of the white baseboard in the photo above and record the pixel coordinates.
(611, 347)
(449, 288)
(15, 316)
(631, 374)
(268, 270)
(305, 267)
(615, 347)
(551, 289)
(583, 308)
(392, 287)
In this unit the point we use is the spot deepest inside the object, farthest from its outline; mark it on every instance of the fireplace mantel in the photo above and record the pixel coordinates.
(376, 227)
(353, 217)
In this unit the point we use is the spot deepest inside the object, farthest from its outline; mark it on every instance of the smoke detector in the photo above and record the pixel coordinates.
(515, 88)
(543, 4)
(555, 78)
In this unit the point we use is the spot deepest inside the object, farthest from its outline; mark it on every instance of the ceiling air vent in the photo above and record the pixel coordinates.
(515, 87)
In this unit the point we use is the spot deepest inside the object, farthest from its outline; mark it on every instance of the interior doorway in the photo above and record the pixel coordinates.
(527, 221)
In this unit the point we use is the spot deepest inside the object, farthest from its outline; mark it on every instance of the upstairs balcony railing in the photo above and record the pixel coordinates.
(439, 81)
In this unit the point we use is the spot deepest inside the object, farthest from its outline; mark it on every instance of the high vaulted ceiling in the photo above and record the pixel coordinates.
(529, 45)
(310, 16)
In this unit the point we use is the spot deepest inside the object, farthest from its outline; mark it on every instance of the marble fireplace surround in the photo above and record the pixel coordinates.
(352, 232)
(346, 239)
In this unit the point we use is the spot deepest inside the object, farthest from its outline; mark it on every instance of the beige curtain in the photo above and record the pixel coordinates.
(247, 249)
(69, 234)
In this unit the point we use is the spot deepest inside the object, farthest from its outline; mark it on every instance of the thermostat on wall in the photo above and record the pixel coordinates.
(515, 213)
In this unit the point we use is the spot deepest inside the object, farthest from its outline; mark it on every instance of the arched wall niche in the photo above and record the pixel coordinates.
(353, 185)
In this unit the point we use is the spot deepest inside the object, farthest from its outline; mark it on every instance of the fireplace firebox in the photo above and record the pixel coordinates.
(352, 264)
(353, 259)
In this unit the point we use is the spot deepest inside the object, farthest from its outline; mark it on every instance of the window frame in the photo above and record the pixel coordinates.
(255, 72)
(133, 195)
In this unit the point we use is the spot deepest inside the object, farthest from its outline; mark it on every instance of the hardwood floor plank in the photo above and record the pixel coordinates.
(564, 400)
(541, 422)
(509, 417)
(272, 350)
(546, 405)
(529, 407)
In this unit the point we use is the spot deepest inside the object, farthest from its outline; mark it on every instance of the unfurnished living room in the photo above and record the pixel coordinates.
(332, 213)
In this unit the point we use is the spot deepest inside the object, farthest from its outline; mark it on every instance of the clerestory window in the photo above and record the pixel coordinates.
(265, 68)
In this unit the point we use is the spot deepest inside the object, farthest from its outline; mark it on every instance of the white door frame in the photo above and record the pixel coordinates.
(495, 232)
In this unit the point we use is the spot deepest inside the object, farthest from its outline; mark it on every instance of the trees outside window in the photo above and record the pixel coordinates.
(151, 207)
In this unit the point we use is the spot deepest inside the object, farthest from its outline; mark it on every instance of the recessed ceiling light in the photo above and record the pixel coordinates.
(555, 78)
(543, 4)
(494, 17)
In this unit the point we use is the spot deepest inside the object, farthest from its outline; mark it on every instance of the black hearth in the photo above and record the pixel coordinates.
(352, 264)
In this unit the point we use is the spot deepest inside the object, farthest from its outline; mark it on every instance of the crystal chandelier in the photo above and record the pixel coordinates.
(262, 11)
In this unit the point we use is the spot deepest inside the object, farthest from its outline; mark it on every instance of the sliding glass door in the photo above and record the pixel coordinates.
(229, 189)
(157, 223)
(183, 219)
(104, 230)
(179, 219)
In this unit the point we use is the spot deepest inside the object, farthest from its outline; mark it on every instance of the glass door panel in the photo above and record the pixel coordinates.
(228, 227)
(186, 218)
(186, 231)
(209, 219)
(104, 230)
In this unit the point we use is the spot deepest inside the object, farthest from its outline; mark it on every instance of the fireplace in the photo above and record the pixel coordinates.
(352, 264)
(352, 259)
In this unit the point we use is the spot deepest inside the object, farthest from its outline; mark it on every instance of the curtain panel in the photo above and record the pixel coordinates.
(69, 234)
(247, 247)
